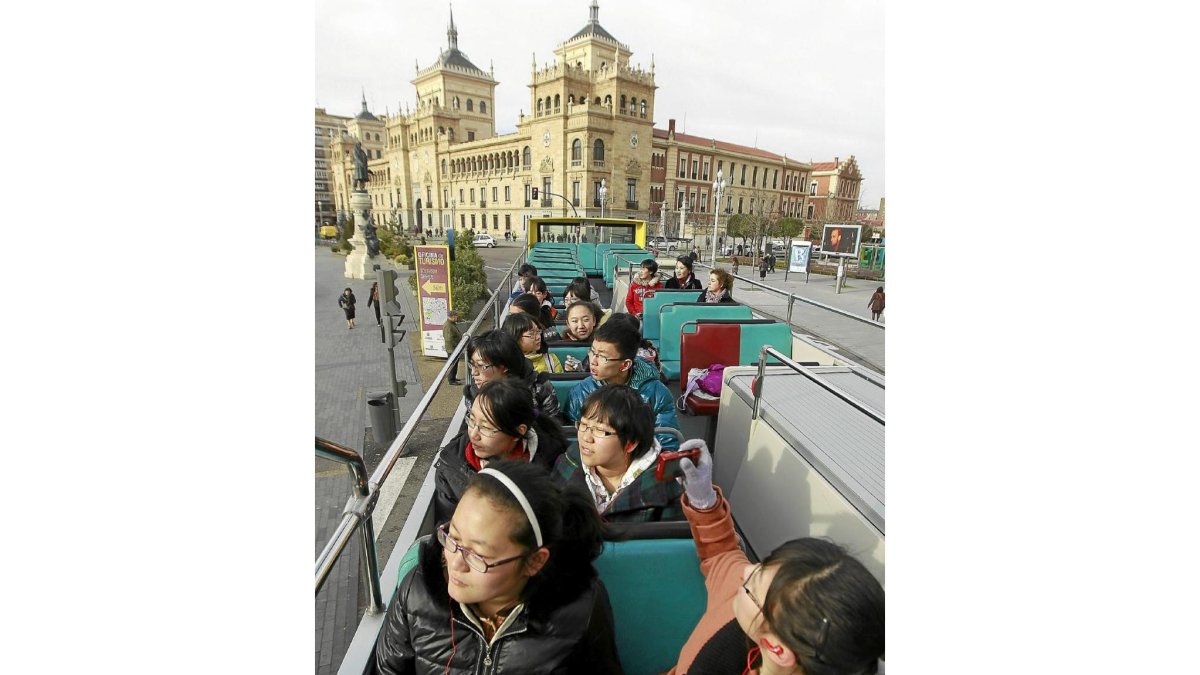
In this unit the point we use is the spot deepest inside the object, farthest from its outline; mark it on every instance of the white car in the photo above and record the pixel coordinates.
(660, 244)
(484, 240)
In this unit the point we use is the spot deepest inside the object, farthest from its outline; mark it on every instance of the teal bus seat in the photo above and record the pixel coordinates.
(754, 336)
(657, 595)
(653, 304)
(563, 384)
(564, 349)
(672, 318)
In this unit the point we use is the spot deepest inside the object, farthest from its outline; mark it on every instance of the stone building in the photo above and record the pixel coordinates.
(590, 123)
(833, 190)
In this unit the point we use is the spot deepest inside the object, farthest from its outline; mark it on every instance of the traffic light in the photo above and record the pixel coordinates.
(390, 332)
(387, 285)
(535, 193)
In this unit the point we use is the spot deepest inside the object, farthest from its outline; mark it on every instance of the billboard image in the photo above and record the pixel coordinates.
(433, 293)
(841, 239)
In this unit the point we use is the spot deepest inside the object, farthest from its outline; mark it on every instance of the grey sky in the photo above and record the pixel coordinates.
(803, 76)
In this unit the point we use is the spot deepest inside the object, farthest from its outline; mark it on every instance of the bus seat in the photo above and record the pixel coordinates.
(563, 384)
(657, 595)
(673, 316)
(653, 302)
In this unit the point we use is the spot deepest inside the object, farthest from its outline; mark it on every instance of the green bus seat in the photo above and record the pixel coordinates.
(672, 318)
(653, 304)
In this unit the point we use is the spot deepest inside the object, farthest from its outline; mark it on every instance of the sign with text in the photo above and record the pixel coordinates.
(433, 295)
(800, 254)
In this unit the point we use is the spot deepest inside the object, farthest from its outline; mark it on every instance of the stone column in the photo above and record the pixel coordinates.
(358, 263)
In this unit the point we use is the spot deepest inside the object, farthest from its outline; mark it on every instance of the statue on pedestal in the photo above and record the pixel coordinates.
(372, 239)
(360, 166)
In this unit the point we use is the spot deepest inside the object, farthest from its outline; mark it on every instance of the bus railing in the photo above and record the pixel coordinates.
(361, 505)
(787, 361)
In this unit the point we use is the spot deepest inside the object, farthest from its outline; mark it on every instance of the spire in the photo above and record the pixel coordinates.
(651, 63)
(452, 33)
(595, 11)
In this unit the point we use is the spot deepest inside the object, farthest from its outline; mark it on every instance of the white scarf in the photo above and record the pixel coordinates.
(596, 486)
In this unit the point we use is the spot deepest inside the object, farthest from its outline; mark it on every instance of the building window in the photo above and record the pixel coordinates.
(470, 106)
(507, 193)
(472, 221)
(643, 108)
(706, 169)
(576, 152)
(445, 198)
(470, 136)
(443, 167)
(539, 108)
(598, 151)
(740, 204)
(631, 193)
(483, 106)
(495, 222)
(812, 190)
(703, 202)
(682, 167)
(546, 192)
(575, 193)
(754, 178)
(775, 179)
(495, 194)
(810, 210)
(679, 199)
(527, 157)
(695, 166)
(743, 174)
(472, 196)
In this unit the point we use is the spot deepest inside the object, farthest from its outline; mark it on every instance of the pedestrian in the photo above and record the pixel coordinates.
(771, 261)
(762, 268)
(876, 304)
(735, 264)
(373, 300)
(451, 334)
(346, 302)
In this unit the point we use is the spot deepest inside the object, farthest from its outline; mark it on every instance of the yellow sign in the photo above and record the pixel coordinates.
(431, 287)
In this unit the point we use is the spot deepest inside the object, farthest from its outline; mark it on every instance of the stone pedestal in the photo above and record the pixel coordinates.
(359, 265)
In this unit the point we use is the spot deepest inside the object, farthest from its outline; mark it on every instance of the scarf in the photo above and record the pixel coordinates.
(709, 296)
(597, 488)
(519, 451)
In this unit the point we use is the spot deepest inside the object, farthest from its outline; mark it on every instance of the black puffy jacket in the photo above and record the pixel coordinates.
(453, 471)
(572, 636)
(544, 398)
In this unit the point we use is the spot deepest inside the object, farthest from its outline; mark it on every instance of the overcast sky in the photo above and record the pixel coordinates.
(803, 77)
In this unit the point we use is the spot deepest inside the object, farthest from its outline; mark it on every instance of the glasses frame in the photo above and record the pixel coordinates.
(604, 360)
(446, 541)
(476, 368)
(580, 427)
(485, 431)
(821, 636)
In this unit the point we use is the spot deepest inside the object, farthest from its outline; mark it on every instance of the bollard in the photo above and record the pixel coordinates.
(383, 425)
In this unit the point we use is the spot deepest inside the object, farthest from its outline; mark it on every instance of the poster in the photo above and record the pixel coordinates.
(800, 254)
(841, 240)
(433, 295)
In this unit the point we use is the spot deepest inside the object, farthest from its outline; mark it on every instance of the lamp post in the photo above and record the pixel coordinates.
(718, 188)
(603, 195)
(666, 208)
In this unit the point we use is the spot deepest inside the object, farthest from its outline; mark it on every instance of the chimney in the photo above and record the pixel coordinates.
(671, 128)
(837, 162)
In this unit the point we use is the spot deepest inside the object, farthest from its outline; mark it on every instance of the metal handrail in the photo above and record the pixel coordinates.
(762, 371)
(359, 509)
(793, 297)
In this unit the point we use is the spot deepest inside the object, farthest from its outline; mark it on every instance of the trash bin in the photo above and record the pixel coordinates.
(383, 422)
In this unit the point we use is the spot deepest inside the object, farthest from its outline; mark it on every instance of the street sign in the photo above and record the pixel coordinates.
(433, 292)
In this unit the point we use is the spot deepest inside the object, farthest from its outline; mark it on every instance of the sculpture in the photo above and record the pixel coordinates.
(360, 166)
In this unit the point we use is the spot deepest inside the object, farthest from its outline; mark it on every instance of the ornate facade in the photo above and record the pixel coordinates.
(590, 124)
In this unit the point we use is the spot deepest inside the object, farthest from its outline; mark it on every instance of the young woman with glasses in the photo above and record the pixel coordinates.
(501, 424)
(809, 608)
(494, 355)
(528, 333)
(506, 586)
(616, 460)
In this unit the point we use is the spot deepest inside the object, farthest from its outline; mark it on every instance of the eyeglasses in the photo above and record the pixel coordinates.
(533, 334)
(483, 429)
(471, 558)
(602, 358)
(480, 367)
(822, 634)
(596, 431)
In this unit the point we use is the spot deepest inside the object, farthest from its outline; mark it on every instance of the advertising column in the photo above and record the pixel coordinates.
(433, 294)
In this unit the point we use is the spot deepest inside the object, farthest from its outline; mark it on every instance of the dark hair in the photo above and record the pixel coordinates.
(650, 264)
(623, 409)
(499, 349)
(687, 262)
(879, 290)
(516, 324)
(347, 289)
(529, 304)
(525, 269)
(724, 278)
(569, 523)
(591, 306)
(536, 284)
(510, 405)
(621, 333)
(580, 288)
(817, 583)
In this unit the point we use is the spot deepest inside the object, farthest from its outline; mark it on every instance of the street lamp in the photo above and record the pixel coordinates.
(603, 195)
(718, 188)
(666, 208)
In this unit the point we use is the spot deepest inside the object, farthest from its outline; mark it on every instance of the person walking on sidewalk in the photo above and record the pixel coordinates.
(876, 304)
(346, 302)
(762, 268)
(373, 299)
(452, 334)
(735, 264)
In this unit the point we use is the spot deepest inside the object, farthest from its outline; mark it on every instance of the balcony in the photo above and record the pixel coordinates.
(632, 206)
(597, 164)
(483, 203)
(547, 201)
(575, 163)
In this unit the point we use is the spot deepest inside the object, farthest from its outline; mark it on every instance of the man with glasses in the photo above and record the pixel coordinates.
(613, 360)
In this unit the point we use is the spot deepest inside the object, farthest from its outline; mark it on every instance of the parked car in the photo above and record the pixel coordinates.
(663, 244)
(484, 240)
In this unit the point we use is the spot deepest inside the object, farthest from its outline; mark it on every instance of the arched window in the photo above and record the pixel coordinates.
(527, 157)
(548, 105)
(622, 102)
(443, 167)
(557, 102)
(570, 99)
(643, 107)
(441, 131)
(483, 106)
(454, 103)
(470, 106)
(598, 150)
(451, 135)
(376, 136)
(576, 150)
(539, 108)
(597, 100)
(607, 100)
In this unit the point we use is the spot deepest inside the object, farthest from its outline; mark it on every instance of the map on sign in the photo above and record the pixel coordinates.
(433, 290)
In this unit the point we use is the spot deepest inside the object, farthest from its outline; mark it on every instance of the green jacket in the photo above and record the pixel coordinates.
(645, 499)
(452, 333)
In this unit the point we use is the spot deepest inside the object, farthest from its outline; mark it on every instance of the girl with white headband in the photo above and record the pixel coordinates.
(506, 586)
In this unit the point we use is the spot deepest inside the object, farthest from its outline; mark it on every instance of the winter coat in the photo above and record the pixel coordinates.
(544, 398)
(571, 633)
(725, 296)
(637, 292)
(692, 282)
(654, 392)
(451, 333)
(453, 470)
(645, 499)
(545, 363)
(877, 302)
